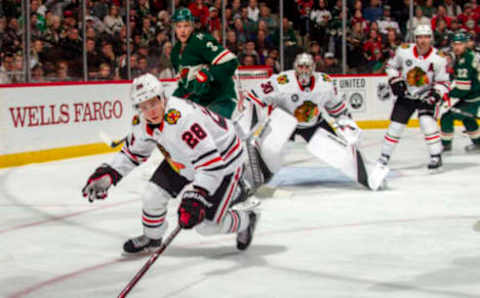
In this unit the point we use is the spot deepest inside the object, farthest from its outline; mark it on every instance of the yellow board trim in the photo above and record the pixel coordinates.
(19, 159)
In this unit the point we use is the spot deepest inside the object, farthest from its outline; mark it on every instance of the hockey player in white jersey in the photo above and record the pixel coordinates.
(418, 76)
(203, 163)
(303, 93)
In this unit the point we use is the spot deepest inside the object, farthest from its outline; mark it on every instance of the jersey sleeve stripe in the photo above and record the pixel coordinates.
(335, 111)
(237, 145)
(225, 165)
(223, 57)
(205, 155)
(212, 161)
(228, 147)
(255, 99)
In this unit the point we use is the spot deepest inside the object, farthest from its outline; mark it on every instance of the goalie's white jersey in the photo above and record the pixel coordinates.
(199, 144)
(420, 72)
(306, 104)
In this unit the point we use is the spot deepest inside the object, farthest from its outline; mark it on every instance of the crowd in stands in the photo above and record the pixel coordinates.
(374, 29)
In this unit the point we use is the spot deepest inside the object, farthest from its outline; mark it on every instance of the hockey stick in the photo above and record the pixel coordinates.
(460, 112)
(107, 140)
(149, 263)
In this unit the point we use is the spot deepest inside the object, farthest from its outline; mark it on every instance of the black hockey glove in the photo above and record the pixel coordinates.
(398, 86)
(99, 182)
(431, 97)
(192, 209)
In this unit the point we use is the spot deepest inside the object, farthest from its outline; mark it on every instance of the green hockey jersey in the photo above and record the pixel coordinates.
(202, 51)
(466, 83)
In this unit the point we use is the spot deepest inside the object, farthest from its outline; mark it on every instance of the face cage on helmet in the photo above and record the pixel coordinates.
(304, 75)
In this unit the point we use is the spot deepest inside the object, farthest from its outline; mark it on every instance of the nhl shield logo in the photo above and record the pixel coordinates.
(294, 98)
(408, 62)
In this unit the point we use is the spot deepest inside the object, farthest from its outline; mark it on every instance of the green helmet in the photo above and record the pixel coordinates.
(183, 14)
(459, 37)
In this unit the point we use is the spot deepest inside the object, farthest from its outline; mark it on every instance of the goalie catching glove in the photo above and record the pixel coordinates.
(99, 182)
(192, 209)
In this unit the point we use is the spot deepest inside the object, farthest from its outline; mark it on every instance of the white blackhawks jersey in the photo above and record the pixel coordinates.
(306, 104)
(199, 144)
(420, 72)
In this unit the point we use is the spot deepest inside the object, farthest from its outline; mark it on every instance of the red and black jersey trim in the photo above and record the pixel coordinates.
(153, 221)
(232, 149)
(135, 158)
(226, 164)
(204, 156)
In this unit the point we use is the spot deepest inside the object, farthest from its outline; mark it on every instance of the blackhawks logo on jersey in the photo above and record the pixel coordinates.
(283, 79)
(135, 120)
(417, 77)
(326, 78)
(176, 166)
(306, 112)
(172, 116)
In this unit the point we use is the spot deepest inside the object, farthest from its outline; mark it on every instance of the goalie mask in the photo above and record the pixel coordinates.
(144, 88)
(303, 68)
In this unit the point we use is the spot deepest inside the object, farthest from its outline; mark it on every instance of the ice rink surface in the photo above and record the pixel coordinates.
(321, 235)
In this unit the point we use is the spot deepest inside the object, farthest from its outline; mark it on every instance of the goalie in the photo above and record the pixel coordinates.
(304, 94)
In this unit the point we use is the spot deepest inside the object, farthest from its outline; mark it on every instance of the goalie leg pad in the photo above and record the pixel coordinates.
(429, 127)
(273, 137)
(233, 222)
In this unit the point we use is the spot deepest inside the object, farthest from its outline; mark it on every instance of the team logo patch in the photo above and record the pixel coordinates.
(172, 116)
(417, 77)
(283, 79)
(326, 78)
(294, 98)
(135, 120)
(405, 46)
(441, 54)
(408, 62)
(306, 112)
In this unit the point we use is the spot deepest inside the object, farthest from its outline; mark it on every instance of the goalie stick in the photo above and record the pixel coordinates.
(149, 263)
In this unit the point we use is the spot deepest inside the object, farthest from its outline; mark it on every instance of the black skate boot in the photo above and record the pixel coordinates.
(244, 238)
(473, 148)
(447, 147)
(435, 164)
(141, 244)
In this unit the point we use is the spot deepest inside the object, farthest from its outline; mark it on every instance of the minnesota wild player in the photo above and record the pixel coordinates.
(205, 68)
(466, 92)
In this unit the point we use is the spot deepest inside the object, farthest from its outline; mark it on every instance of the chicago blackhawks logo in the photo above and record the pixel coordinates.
(283, 79)
(176, 166)
(172, 116)
(326, 78)
(135, 120)
(306, 112)
(417, 77)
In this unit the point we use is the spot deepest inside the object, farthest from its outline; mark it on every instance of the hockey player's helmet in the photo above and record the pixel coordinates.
(303, 73)
(183, 14)
(423, 30)
(144, 88)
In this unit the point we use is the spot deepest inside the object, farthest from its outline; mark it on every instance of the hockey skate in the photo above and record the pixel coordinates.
(435, 164)
(141, 245)
(472, 148)
(244, 238)
(447, 148)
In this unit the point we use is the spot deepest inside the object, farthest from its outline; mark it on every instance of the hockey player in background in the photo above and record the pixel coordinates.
(203, 164)
(465, 95)
(205, 68)
(305, 94)
(418, 76)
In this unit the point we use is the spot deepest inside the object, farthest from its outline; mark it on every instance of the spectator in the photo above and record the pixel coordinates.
(93, 58)
(248, 60)
(200, 11)
(104, 73)
(108, 55)
(214, 22)
(387, 22)
(331, 65)
(358, 18)
(274, 54)
(231, 42)
(7, 69)
(249, 50)
(240, 30)
(148, 31)
(263, 45)
(418, 19)
(428, 9)
(391, 44)
(62, 71)
(302, 18)
(441, 14)
(143, 9)
(320, 17)
(236, 8)
(270, 62)
(113, 21)
(266, 17)
(468, 19)
(372, 50)
(100, 9)
(38, 74)
(373, 12)
(441, 35)
(165, 67)
(453, 9)
(253, 11)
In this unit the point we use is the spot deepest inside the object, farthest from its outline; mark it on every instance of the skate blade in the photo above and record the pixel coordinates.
(435, 171)
(143, 253)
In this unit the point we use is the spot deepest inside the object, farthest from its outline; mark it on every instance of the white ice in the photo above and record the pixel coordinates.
(321, 235)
